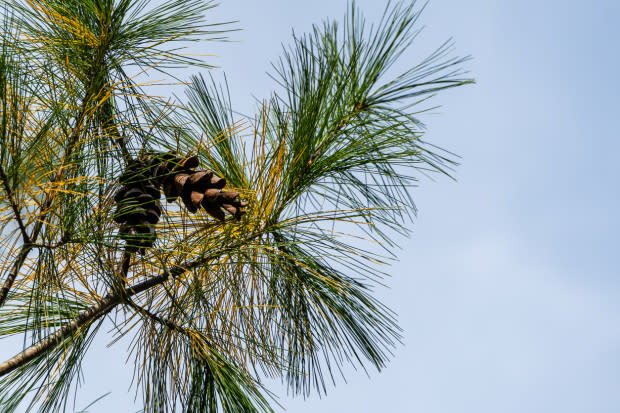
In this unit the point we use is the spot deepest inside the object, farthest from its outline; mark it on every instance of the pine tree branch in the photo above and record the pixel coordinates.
(10, 279)
(64, 239)
(109, 302)
(9, 194)
(27, 246)
(165, 322)
(84, 318)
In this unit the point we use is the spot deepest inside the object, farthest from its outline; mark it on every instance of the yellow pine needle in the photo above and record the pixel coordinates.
(73, 26)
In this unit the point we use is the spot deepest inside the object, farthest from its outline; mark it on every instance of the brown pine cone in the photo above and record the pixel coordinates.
(138, 208)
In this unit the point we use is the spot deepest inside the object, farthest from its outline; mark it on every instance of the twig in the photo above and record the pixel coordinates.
(171, 325)
(65, 239)
(9, 194)
(10, 279)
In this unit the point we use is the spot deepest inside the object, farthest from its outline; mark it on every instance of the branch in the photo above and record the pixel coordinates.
(19, 261)
(85, 317)
(107, 304)
(9, 194)
(165, 322)
(64, 239)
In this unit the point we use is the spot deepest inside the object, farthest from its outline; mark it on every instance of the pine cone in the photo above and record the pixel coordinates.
(202, 188)
(138, 207)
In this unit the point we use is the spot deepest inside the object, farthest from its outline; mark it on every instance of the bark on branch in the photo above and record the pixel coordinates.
(14, 206)
(107, 304)
(86, 317)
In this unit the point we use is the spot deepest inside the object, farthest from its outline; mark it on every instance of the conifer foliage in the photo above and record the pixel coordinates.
(276, 227)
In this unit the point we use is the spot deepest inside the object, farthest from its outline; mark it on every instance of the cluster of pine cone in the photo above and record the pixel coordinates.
(138, 207)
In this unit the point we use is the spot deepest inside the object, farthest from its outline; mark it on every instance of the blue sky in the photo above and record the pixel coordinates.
(508, 289)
